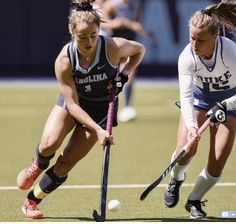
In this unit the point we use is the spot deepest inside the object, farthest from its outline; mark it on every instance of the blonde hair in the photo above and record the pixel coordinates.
(82, 12)
(218, 15)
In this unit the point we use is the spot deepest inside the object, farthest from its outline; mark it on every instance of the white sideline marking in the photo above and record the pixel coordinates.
(120, 186)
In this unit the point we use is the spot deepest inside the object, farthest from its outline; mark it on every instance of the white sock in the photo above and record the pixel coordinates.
(178, 171)
(202, 185)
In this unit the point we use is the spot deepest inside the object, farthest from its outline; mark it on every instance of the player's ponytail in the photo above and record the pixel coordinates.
(222, 14)
(225, 11)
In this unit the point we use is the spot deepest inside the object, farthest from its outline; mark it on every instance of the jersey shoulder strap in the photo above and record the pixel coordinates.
(71, 53)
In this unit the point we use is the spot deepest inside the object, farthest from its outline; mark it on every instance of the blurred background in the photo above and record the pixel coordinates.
(33, 32)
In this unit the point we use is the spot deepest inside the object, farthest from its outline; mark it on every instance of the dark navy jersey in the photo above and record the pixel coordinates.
(92, 83)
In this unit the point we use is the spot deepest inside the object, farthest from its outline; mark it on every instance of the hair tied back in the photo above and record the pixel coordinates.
(83, 6)
(206, 12)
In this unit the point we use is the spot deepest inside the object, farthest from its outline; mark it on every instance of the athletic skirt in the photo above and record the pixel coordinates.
(205, 100)
(97, 110)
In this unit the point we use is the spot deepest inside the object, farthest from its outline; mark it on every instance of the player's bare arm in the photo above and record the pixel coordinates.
(68, 89)
(119, 48)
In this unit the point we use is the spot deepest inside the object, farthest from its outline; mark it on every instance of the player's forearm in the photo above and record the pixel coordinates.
(133, 61)
(187, 111)
(186, 99)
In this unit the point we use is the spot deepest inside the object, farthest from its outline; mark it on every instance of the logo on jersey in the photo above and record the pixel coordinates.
(100, 67)
(199, 69)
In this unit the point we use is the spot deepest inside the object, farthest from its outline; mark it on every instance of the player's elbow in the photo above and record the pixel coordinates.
(140, 48)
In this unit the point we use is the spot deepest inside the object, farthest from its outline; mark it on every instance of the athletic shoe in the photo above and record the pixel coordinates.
(195, 209)
(171, 195)
(29, 208)
(26, 177)
(127, 114)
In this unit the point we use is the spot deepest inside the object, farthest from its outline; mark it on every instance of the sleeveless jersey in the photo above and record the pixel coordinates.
(216, 76)
(92, 83)
(206, 81)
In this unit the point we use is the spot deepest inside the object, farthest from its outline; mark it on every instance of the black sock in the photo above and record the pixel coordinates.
(32, 197)
(46, 185)
(42, 161)
(50, 181)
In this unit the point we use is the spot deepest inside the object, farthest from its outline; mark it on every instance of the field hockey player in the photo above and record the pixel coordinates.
(85, 70)
(207, 82)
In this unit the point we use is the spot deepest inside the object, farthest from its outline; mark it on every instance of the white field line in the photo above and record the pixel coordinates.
(120, 186)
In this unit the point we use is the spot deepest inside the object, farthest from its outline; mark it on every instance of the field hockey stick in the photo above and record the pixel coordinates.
(101, 215)
(187, 146)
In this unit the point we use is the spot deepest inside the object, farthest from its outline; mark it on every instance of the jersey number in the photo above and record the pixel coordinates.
(216, 86)
(87, 88)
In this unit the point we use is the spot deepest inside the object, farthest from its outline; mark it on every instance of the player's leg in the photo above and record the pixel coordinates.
(80, 143)
(221, 146)
(221, 143)
(128, 112)
(171, 194)
(128, 89)
(58, 125)
(178, 173)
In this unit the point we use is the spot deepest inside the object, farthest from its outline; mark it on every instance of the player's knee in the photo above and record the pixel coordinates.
(189, 153)
(215, 169)
(192, 152)
(49, 145)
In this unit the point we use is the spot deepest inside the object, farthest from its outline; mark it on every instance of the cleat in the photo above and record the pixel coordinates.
(26, 177)
(127, 114)
(29, 208)
(171, 195)
(195, 209)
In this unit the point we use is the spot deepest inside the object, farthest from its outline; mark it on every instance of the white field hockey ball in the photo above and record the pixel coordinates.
(114, 205)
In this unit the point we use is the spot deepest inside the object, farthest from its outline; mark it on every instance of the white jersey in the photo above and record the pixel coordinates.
(215, 75)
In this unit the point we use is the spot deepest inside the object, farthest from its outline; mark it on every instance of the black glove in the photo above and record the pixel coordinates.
(119, 81)
(217, 113)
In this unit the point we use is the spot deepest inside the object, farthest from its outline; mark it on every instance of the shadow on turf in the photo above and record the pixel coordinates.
(160, 219)
(72, 218)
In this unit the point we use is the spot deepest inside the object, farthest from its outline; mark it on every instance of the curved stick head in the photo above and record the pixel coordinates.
(97, 217)
(142, 197)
